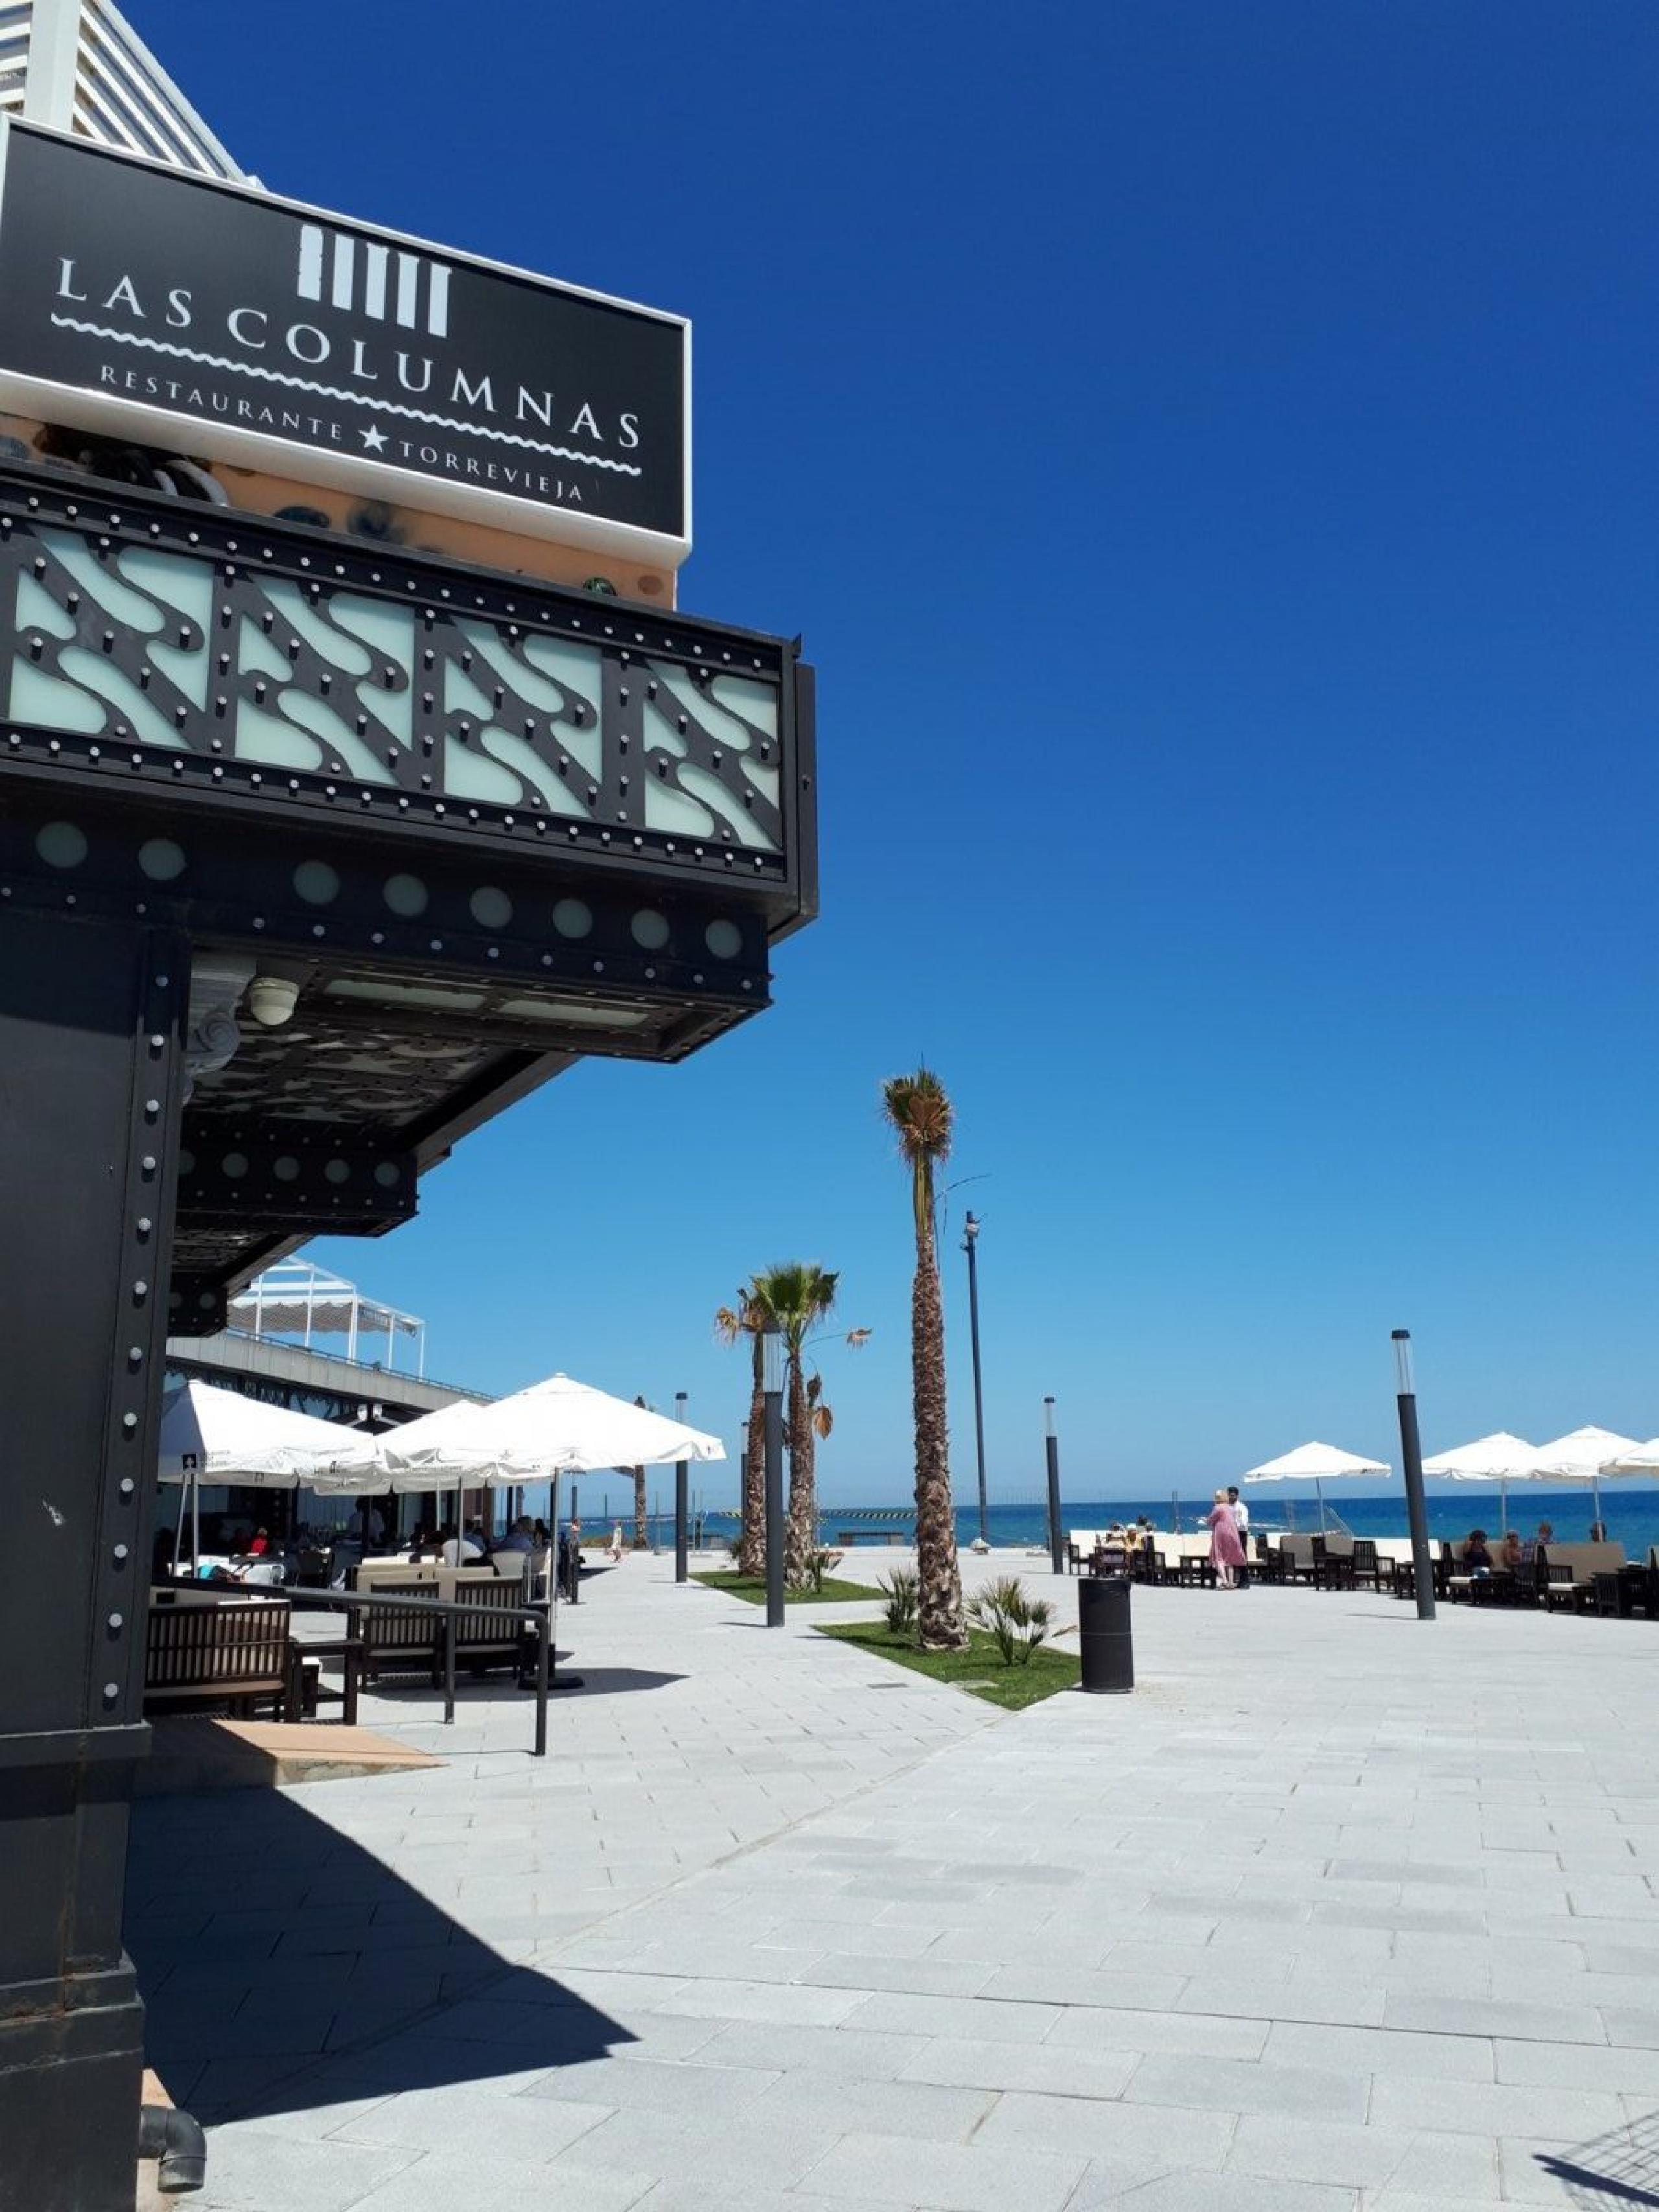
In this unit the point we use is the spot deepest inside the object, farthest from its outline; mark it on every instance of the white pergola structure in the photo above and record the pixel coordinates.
(295, 1299)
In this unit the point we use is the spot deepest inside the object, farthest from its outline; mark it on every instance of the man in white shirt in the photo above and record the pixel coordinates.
(1242, 1516)
(465, 1551)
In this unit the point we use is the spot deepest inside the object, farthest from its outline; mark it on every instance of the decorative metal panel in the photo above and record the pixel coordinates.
(216, 654)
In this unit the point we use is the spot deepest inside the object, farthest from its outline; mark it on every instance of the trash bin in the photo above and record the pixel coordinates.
(1105, 1638)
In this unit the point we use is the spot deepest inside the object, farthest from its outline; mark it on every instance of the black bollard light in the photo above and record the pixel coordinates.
(772, 1386)
(1411, 1458)
(1056, 1534)
(679, 1496)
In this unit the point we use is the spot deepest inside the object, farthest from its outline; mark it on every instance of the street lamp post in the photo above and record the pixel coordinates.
(969, 1245)
(1411, 1457)
(679, 1496)
(772, 1386)
(1056, 1534)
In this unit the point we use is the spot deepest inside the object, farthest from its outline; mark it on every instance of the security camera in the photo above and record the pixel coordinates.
(272, 999)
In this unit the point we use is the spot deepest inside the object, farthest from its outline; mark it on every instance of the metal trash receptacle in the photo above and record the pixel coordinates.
(1105, 1635)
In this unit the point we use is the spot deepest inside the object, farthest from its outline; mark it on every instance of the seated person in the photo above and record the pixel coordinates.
(1531, 1545)
(519, 1537)
(1477, 1559)
(260, 1544)
(1598, 1533)
(1509, 1552)
(1111, 1554)
(457, 1551)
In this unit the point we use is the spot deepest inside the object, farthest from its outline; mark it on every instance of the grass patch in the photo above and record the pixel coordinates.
(752, 1589)
(979, 1669)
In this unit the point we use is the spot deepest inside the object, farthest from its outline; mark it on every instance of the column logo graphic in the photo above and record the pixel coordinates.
(381, 282)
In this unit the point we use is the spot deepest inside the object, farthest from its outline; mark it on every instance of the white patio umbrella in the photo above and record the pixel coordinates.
(1316, 1464)
(1580, 1456)
(553, 1427)
(1644, 1460)
(209, 1435)
(1500, 1458)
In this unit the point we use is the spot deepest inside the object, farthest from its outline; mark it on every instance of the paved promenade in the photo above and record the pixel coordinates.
(1339, 1913)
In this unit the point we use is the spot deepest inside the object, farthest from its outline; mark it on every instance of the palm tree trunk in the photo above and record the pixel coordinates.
(937, 1571)
(642, 1532)
(802, 1539)
(752, 1544)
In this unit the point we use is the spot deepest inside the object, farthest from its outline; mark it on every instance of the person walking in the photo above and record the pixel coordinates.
(1242, 1521)
(1227, 1553)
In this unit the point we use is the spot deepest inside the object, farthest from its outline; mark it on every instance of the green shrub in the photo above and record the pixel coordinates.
(901, 1591)
(1016, 1624)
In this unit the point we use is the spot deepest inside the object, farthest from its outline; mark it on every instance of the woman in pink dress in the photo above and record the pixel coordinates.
(1226, 1552)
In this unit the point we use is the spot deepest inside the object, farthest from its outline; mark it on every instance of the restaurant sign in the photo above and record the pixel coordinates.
(213, 318)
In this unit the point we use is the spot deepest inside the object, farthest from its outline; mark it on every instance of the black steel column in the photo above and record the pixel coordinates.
(1056, 1534)
(772, 1377)
(91, 1016)
(679, 1496)
(971, 1246)
(1411, 1459)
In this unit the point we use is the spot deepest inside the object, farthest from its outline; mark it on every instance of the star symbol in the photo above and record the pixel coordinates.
(374, 441)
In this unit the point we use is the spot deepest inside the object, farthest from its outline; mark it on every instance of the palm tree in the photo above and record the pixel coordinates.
(799, 1294)
(732, 1324)
(641, 1534)
(919, 1111)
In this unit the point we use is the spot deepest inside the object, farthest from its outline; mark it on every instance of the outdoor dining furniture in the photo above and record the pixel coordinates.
(1566, 1573)
(1333, 1565)
(239, 1654)
(347, 1649)
(1622, 1591)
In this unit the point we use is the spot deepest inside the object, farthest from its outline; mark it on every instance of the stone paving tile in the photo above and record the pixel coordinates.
(1318, 2150)
(1221, 2192)
(1261, 2087)
(1634, 2069)
(448, 2119)
(249, 2170)
(473, 2181)
(1453, 2015)
(976, 2019)
(1089, 2027)
(1050, 2068)
(708, 2148)
(840, 2054)
(654, 2086)
(1188, 2135)
(890, 2170)
(1496, 2109)
(1389, 2052)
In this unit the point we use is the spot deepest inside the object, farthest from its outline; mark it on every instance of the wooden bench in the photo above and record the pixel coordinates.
(237, 1653)
(399, 1640)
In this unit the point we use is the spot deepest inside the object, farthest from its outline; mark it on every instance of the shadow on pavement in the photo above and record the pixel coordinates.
(284, 1966)
(1619, 2168)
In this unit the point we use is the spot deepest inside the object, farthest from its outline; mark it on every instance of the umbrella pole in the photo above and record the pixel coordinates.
(1319, 1492)
(1595, 1497)
(179, 1532)
(196, 1526)
(1504, 1504)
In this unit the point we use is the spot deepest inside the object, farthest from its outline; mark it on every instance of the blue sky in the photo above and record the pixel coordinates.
(1210, 452)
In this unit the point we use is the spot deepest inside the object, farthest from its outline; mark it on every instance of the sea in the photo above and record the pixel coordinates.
(1631, 1515)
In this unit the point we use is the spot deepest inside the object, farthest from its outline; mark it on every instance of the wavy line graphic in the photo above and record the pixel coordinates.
(353, 399)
